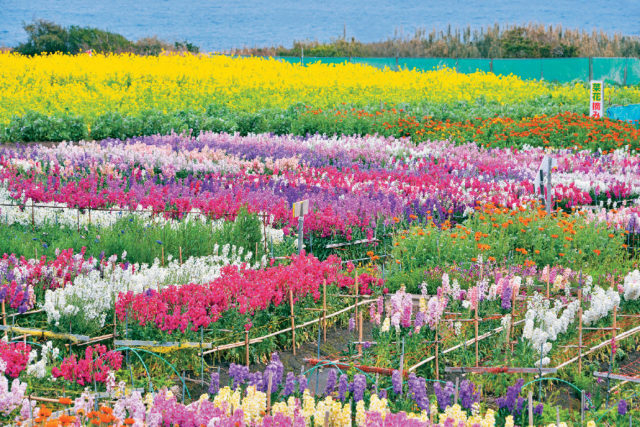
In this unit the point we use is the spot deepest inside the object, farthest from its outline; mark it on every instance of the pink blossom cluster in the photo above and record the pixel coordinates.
(239, 288)
(14, 357)
(95, 366)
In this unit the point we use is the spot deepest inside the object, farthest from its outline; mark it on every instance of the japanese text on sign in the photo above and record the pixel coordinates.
(596, 102)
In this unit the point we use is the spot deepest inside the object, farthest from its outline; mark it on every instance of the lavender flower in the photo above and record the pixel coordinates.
(214, 386)
(332, 378)
(468, 394)
(289, 385)
(343, 387)
(359, 385)
(444, 395)
(396, 381)
(510, 400)
(302, 382)
(622, 407)
(239, 374)
(418, 390)
(506, 295)
(538, 409)
(352, 323)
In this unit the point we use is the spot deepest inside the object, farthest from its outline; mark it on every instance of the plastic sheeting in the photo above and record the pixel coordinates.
(623, 71)
(628, 113)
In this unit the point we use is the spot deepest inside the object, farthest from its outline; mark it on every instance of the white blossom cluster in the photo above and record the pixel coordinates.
(602, 303)
(92, 296)
(543, 323)
(632, 285)
(38, 367)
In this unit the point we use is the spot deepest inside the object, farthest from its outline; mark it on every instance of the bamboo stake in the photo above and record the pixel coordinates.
(283, 331)
(246, 347)
(324, 310)
(293, 323)
(475, 322)
(162, 252)
(360, 335)
(180, 252)
(580, 331)
(530, 398)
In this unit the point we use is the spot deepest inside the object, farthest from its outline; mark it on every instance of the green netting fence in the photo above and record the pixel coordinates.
(622, 71)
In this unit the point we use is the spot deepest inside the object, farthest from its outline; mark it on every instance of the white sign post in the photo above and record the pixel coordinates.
(300, 209)
(596, 107)
(546, 165)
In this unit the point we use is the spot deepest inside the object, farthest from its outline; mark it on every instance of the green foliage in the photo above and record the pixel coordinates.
(34, 126)
(48, 37)
(130, 234)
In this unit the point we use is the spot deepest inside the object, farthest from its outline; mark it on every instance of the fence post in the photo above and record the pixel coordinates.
(590, 68)
(491, 65)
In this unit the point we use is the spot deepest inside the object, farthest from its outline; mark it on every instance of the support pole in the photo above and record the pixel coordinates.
(324, 309)
(475, 322)
(293, 323)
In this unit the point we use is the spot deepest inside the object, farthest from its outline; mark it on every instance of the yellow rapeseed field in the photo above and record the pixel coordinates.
(91, 85)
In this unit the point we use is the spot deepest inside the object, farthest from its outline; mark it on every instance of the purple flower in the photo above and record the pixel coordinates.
(510, 400)
(359, 385)
(352, 323)
(506, 295)
(444, 395)
(214, 386)
(622, 407)
(239, 374)
(396, 381)
(332, 378)
(382, 394)
(417, 387)
(289, 385)
(302, 382)
(468, 394)
(343, 387)
(538, 409)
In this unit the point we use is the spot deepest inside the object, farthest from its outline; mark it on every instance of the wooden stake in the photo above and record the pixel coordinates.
(269, 385)
(180, 252)
(326, 418)
(4, 318)
(558, 416)
(548, 277)
(475, 322)
(360, 335)
(530, 398)
(324, 309)
(513, 314)
(293, 323)
(246, 347)
(33, 214)
(162, 252)
(580, 331)
(437, 352)
(357, 290)
(457, 392)
(613, 330)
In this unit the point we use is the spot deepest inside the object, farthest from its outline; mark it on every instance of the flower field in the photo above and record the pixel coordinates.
(164, 279)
